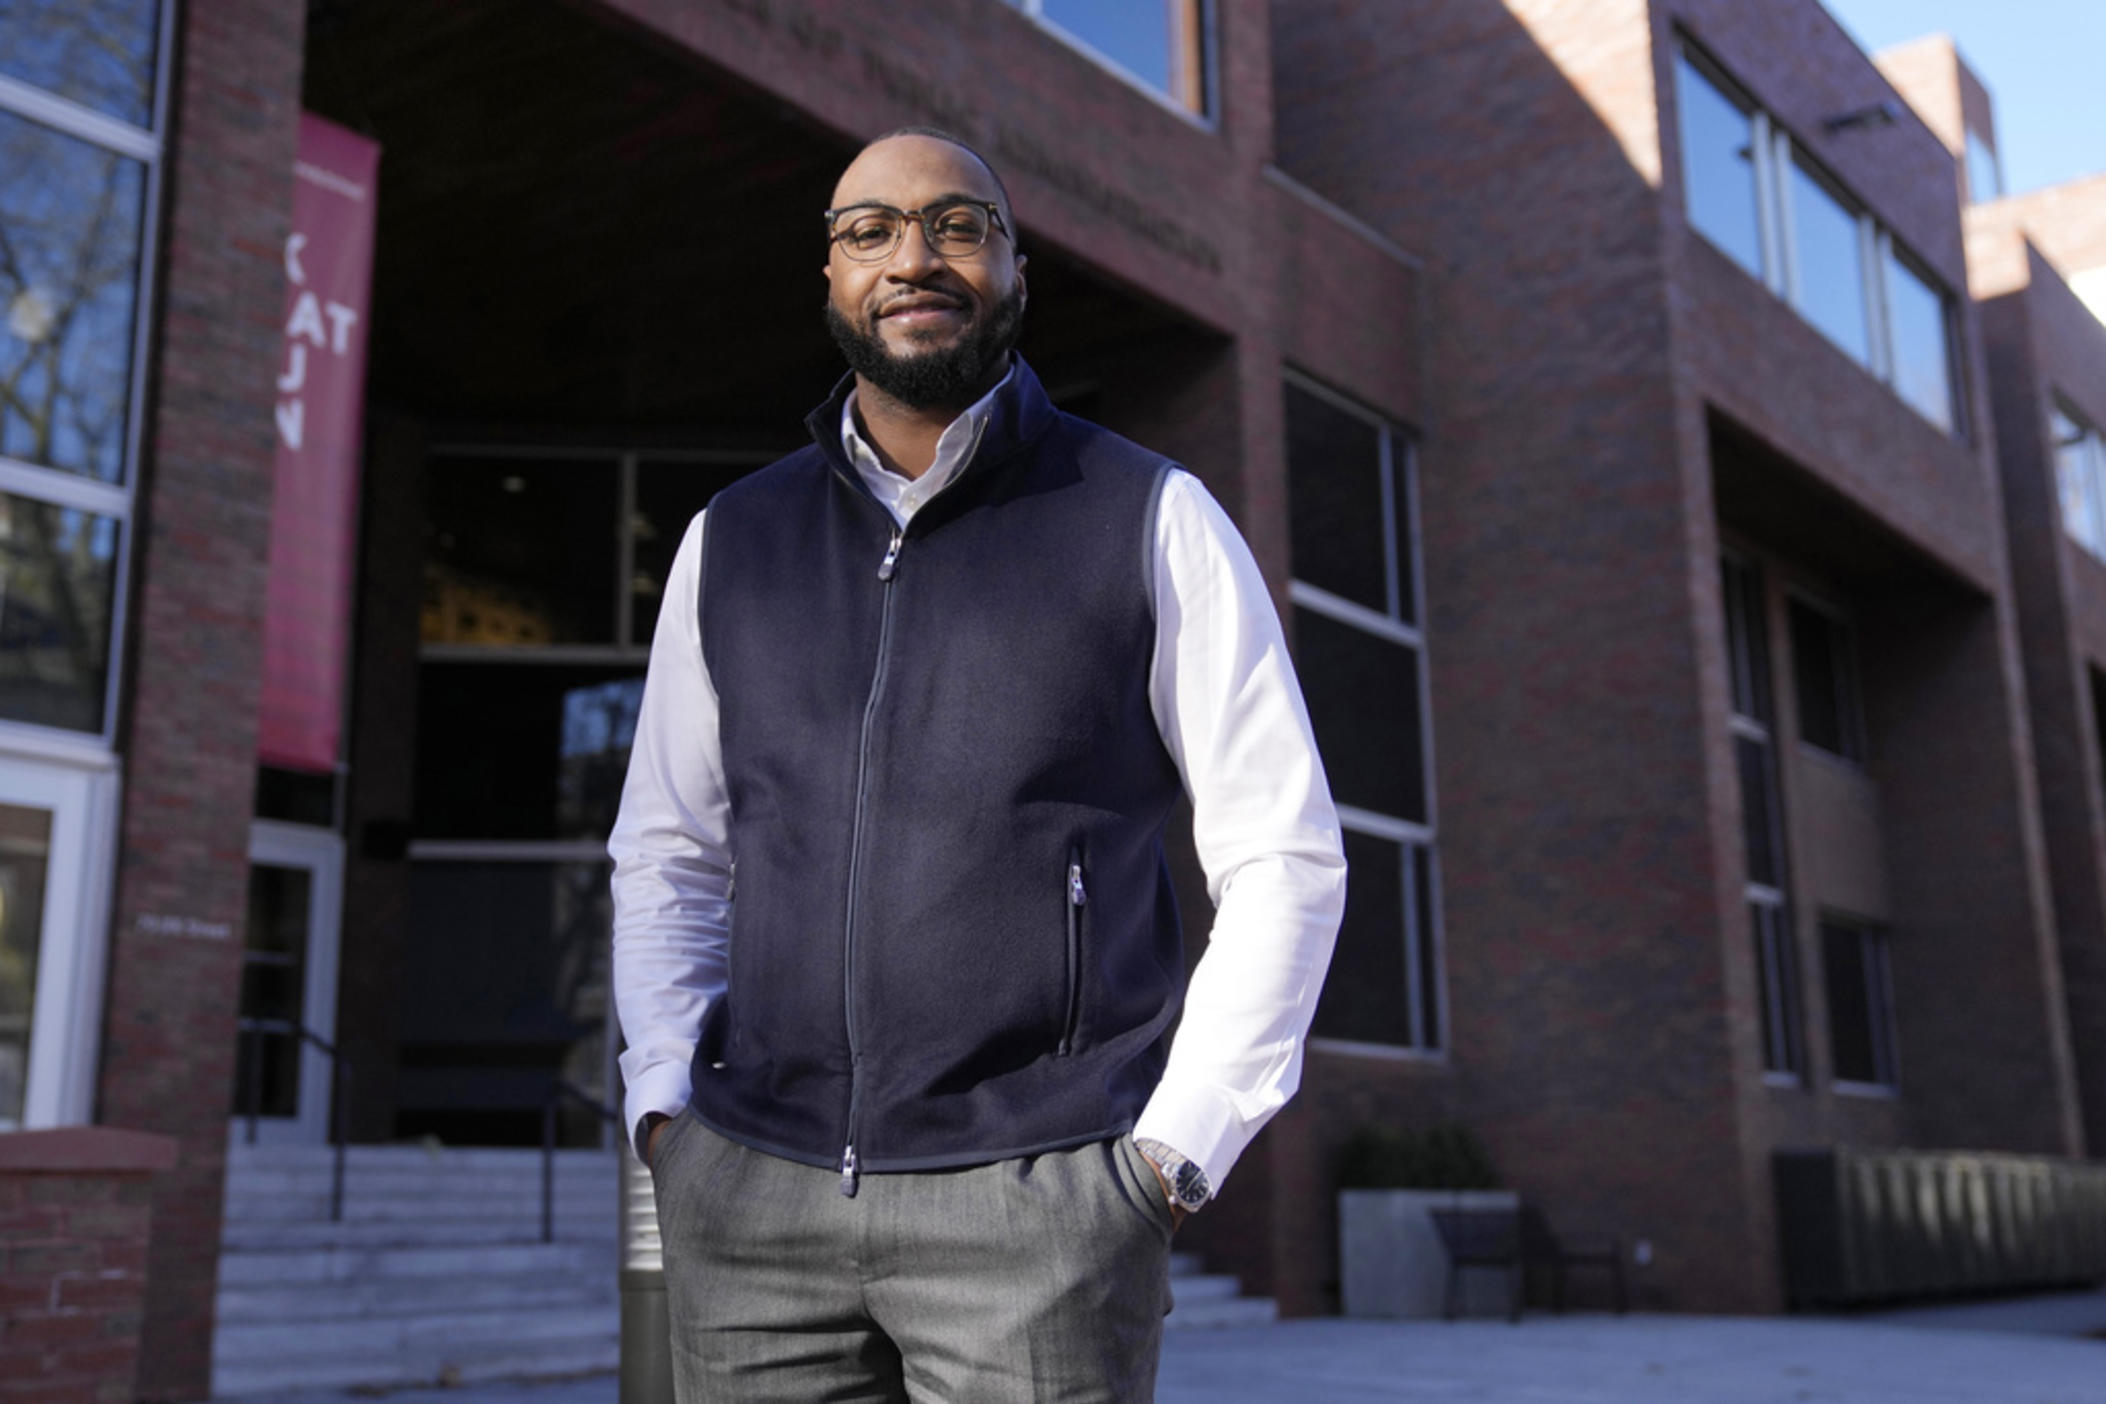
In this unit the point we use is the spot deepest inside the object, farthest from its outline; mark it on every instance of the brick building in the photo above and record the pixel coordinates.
(1598, 386)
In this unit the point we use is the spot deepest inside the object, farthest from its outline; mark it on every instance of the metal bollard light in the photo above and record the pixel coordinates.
(647, 1339)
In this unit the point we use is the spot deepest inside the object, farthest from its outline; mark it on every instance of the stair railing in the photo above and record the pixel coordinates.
(252, 1031)
(560, 1091)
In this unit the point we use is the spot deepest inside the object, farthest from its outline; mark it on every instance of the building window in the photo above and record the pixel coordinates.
(1985, 173)
(2080, 472)
(1764, 201)
(1854, 957)
(1164, 46)
(1824, 668)
(1360, 649)
(1762, 818)
(1721, 132)
(80, 146)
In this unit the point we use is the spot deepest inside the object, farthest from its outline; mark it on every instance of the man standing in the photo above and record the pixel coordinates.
(896, 951)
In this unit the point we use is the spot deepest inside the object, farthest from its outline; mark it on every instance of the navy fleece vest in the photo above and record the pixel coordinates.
(953, 937)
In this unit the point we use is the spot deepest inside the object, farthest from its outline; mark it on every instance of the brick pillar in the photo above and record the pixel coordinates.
(197, 622)
(76, 1205)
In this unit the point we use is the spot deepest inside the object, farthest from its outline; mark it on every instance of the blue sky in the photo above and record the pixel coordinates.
(2044, 62)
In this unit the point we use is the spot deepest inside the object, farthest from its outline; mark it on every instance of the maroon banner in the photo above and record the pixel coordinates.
(321, 405)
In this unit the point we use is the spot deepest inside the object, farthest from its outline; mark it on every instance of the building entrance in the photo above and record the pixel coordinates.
(288, 983)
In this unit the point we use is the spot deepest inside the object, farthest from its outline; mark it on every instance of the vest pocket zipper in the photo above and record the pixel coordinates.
(1078, 897)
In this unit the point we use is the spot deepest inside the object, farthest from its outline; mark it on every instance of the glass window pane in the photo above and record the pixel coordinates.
(1985, 174)
(1364, 996)
(505, 991)
(1334, 498)
(2078, 469)
(1922, 346)
(520, 552)
(1850, 1017)
(1429, 946)
(1777, 973)
(1718, 167)
(57, 569)
(1363, 695)
(1157, 41)
(1747, 639)
(530, 751)
(1827, 682)
(25, 853)
(98, 53)
(1407, 535)
(71, 214)
(667, 497)
(1831, 291)
(1758, 811)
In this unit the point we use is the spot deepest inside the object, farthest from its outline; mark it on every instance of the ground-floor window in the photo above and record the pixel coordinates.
(1360, 649)
(1854, 957)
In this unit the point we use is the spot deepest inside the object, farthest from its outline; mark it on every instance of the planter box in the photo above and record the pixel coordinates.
(1390, 1259)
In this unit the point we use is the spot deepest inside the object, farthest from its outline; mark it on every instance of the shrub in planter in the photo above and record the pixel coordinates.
(1391, 1262)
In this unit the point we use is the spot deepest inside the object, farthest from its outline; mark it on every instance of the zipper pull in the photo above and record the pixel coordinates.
(890, 565)
(1076, 895)
(731, 888)
(848, 1171)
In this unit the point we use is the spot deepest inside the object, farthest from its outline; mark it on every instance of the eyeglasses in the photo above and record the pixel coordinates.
(953, 228)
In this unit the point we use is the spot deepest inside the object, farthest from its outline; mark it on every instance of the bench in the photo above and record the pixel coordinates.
(1514, 1241)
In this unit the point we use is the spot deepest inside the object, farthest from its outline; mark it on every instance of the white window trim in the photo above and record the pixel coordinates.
(117, 501)
(1208, 119)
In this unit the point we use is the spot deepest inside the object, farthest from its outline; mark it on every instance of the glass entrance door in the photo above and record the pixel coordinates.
(288, 982)
(54, 851)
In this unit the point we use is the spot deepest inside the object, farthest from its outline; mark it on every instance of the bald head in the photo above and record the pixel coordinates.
(925, 149)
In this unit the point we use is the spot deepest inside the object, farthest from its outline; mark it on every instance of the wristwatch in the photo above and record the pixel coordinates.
(1189, 1189)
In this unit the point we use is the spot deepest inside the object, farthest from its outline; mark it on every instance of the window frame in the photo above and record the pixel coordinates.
(2091, 443)
(1207, 115)
(1850, 682)
(1399, 475)
(1782, 988)
(1875, 952)
(1776, 151)
(75, 491)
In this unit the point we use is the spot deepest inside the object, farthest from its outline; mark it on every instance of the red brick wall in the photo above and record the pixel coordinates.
(76, 1210)
(189, 724)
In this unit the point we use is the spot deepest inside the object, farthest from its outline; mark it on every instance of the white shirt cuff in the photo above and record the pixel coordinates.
(1201, 1124)
(664, 1089)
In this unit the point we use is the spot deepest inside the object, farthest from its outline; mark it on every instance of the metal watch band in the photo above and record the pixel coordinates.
(1188, 1183)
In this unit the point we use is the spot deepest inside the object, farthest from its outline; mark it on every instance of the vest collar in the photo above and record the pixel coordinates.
(1019, 414)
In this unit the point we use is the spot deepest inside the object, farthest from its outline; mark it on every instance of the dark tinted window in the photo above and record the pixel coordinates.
(1747, 639)
(1759, 826)
(1334, 470)
(530, 752)
(520, 552)
(1428, 947)
(667, 497)
(1363, 695)
(1859, 1034)
(1823, 660)
(1365, 996)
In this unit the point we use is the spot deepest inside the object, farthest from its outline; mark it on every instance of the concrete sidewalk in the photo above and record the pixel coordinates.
(2032, 1350)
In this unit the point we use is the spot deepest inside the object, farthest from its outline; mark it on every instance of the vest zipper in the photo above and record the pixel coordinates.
(887, 569)
(1078, 897)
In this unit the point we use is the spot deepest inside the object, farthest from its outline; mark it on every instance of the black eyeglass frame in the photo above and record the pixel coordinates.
(921, 216)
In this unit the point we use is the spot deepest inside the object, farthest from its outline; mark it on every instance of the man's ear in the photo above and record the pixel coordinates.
(1021, 286)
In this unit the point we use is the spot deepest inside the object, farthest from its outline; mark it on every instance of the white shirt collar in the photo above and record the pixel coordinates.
(903, 496)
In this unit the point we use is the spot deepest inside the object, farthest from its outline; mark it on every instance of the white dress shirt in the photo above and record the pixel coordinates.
(1230, 713)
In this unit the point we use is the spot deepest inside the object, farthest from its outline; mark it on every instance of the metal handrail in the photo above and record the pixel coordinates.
(339, 1102)
(558, 1091)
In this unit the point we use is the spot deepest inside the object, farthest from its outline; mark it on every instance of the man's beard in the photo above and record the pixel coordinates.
(946, 378)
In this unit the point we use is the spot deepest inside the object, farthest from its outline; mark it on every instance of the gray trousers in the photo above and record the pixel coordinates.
(1041, 1280)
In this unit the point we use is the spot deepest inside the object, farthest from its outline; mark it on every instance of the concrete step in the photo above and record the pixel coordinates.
(363, 1203)
(365, 1263)
(522, 1226)
(1222, 1312)
(397, 1296)
(590, 1354)
(444, 1333)
(1204, 1287)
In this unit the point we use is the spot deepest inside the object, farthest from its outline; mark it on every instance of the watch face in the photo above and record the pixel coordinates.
(1189, 1185)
